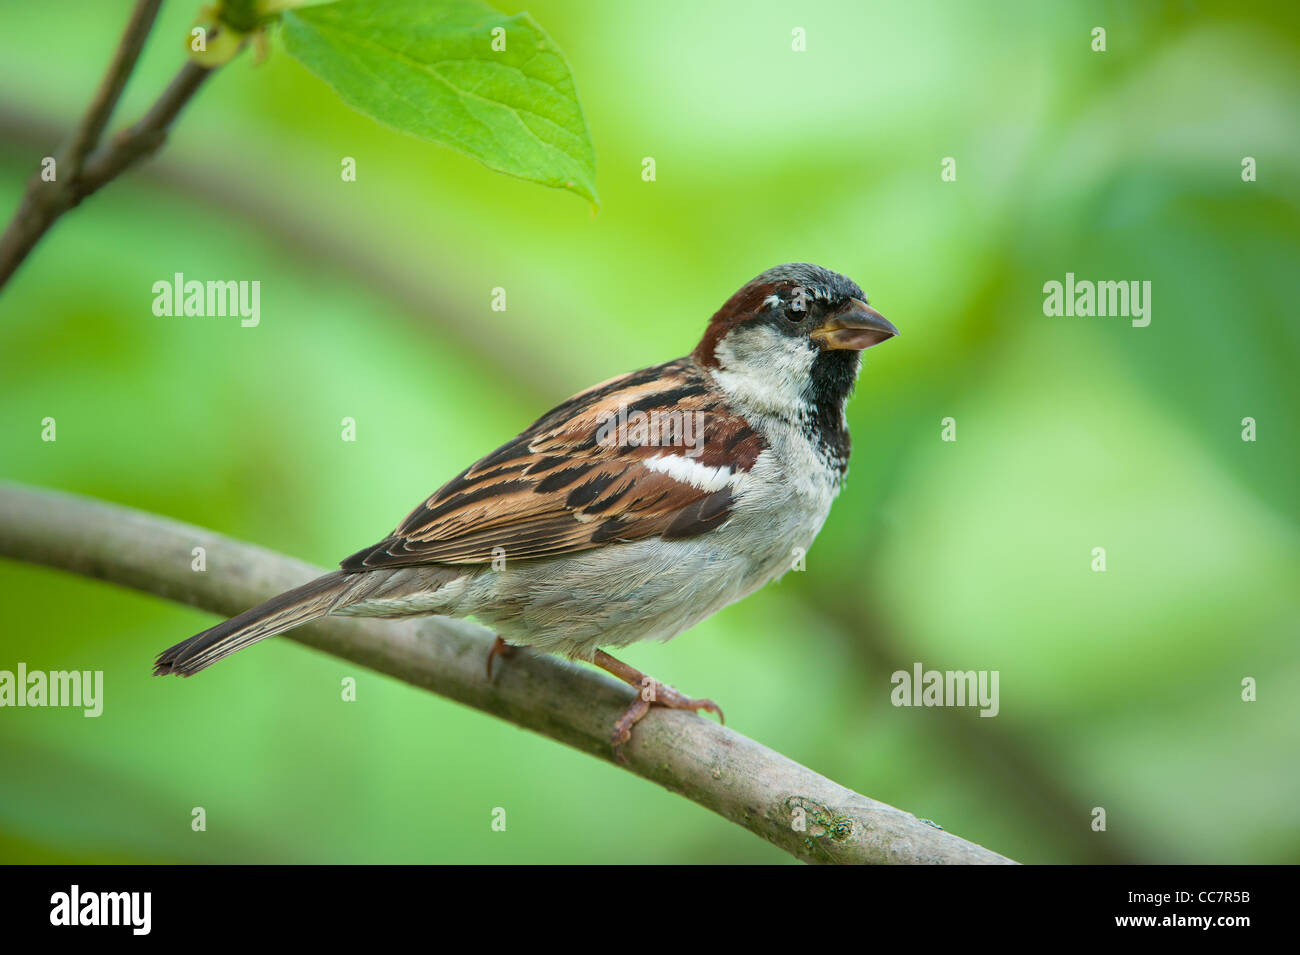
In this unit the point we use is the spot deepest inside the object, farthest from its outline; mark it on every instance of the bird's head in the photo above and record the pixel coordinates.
(791, 340)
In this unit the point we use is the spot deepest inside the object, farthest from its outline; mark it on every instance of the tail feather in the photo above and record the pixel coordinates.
(283, 612)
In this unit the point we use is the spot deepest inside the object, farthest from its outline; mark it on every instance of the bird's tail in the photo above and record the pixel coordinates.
(290, 609)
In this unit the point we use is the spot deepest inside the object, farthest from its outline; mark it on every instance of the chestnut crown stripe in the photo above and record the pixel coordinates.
(820, 284)
(558, 489)
(738, 309)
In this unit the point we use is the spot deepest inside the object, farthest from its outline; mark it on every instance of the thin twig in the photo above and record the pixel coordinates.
(79, 172)
(87, 134)
(145, 137)
(805, 814)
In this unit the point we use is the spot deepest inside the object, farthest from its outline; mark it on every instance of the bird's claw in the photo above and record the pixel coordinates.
(655, 693)
(499, 649)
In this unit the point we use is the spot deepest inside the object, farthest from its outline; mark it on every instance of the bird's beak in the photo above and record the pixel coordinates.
(855, 327)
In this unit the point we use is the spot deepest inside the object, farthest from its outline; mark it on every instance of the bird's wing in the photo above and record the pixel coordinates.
(582, 476)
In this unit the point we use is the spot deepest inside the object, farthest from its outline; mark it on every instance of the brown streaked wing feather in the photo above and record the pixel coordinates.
(555, 489)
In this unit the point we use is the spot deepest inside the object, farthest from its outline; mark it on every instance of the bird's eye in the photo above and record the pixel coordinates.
(796, 309)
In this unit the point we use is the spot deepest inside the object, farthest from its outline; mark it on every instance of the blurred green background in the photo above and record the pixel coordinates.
(1119, 690)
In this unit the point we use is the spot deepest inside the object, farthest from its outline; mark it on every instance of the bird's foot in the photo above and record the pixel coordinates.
(499, 649)
(650, 692)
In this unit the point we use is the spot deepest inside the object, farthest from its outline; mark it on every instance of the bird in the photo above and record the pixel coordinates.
(631, 511)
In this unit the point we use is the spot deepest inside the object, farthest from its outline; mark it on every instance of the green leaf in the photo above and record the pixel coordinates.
(430, 70)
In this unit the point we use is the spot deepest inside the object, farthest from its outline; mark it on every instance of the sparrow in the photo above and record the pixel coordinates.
(630, 512)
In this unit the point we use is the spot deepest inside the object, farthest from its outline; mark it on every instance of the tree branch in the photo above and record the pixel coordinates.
(78, 171)
(709, 764)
